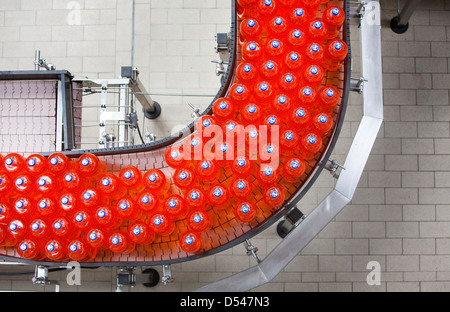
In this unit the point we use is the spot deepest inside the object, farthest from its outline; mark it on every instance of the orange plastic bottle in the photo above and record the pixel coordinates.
(36, 164)
(241, 188)
(110, 187)
(63, 228)
(195, 198)
(297, 39)
(314, 53)
(73, 182)
(270, 152)
(252, 142)
(175, 207)
(223, 109)
(47, 207)
(307, 95)
(270, 70)
(59, 163)
(140, 233)
(120, 243)
(317, 31)
(47, 185)
(193, 148)
(198, 221)
(251, 114)
(184, 178)
(245, 211)
(97, 238)
(267, 175)
(323, 123)
(299, 16)
(263, 91)
(288, 142)
(5, 184)
(224, 155)
(83, 220)
(246, 72)
(24, 184)
(56, 250)
(174, 157)
(333, 17)
(156, 181)
(278, 26)
(293, 169)
(90, 166)
(127, 209)
(107, 218)
(14, 163)
(191, 242)
(219, 197)
(68, 203)
(147, 202)
(329, 98)
(250, 29)
(16, 229)
(281, 104)
(266, 8)
(239, 92)
(274, 197)
(161, 224)
(205, 122)
(39, 229)
(274, 48)
(300, 117)
(293, 60)
(251, 51)
(242, 166)
(91, 198)
(30, 249)
(311, 144)
(25, 208)
(207, 170)
(313, 75)
(6, 212)
(131, 178)
(80, 251)
(289, 83)
(335, 53)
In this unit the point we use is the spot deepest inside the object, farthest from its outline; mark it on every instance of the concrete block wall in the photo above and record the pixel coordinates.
(400, 215)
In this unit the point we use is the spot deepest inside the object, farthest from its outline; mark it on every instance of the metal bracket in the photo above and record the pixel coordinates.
(333, 166)
(167, 274)
(41, 278)
(220, 68)
(38, 62)
(291, 220)
(252, 250)
(358, 11)
(125, 277)
(196, 111)
(357, 84)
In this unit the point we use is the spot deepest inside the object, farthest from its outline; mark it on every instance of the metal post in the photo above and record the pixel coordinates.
(400, 23)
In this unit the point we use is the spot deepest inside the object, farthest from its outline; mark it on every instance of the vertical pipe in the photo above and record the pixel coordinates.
(133, 22)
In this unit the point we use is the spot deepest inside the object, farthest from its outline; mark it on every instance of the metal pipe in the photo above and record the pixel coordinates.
(400, 23)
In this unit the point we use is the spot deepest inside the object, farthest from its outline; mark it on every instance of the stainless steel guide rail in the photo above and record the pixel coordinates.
(344, 190)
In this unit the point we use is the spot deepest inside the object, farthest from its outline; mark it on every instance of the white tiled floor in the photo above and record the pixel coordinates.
(400, 215)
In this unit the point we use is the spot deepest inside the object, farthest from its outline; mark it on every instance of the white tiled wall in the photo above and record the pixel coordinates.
(400, 215)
